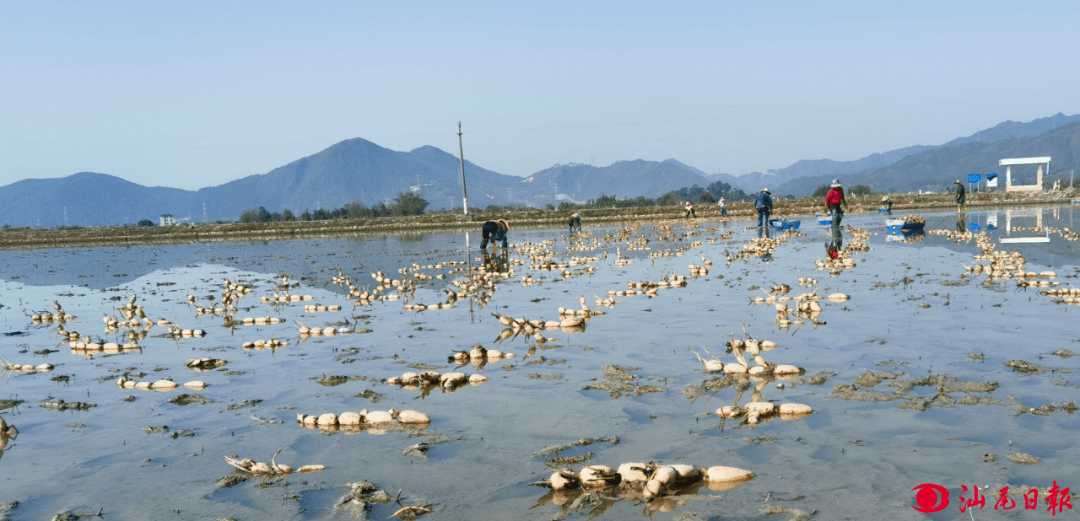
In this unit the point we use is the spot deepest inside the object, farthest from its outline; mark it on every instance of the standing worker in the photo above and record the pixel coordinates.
(763, 203)
(689, 210)
(496, 232)
(833, 200)
(575, 223)
(723, 207)
(887, 203)
(961, 198)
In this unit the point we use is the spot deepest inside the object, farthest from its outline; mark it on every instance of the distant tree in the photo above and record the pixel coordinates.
(860, 190)
(689, 193)
(821, 191)
(146, 222)
(718, 189)
(549, 207)
(287, 215)
(322, 214)
(706, 198)
(604, 201)
(306, 216)
(381, 210)
(670, 199)
(356, 210)
(409, 203)
(721, 189)
(255, 215)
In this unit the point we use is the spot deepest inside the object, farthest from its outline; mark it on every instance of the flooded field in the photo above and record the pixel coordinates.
(926, 373)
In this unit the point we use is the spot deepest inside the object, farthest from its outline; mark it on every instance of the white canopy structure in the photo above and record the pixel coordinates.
(1008, 163)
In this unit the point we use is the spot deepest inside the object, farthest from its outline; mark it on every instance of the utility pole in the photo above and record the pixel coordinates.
(461, 151)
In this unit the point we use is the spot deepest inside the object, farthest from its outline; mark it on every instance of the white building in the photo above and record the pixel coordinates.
(167, 220)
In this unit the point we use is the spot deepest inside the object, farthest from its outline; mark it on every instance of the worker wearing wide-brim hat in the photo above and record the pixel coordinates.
(575, 223)
(495, 231)
(961, 196)
(763, 204)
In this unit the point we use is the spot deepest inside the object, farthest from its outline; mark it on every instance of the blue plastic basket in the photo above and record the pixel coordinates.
(784, 224)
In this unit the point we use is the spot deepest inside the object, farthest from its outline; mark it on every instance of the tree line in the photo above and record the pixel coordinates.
(823, 190)
(693, 194)
(406, 203)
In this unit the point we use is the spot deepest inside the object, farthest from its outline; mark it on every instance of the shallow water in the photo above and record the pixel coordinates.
(912, 310)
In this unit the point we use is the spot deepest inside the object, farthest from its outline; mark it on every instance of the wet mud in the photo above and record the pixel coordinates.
(602, 326)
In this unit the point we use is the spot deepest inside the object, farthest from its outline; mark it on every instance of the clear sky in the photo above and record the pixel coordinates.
(194, 94)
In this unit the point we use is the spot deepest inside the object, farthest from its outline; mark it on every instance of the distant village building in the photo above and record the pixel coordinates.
(167, 220)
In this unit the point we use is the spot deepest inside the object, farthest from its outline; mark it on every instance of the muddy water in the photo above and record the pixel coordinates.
(912, 311)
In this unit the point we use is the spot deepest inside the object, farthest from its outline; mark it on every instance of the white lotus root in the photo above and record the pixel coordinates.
(260, 321)
(161, 385)
(655, 480)
(314, 308)
(722, 478)
(794, 411)
(328, 331)
(754, 412)
(259, 345)
(478, 353)
(8, 366)
(598, 476)
(364, 418)
(427, 379)
(740, 348)
(47, 316)
(668, 478)
(269, 470)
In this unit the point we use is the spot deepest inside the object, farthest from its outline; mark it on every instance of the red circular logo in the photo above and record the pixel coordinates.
(930, 498)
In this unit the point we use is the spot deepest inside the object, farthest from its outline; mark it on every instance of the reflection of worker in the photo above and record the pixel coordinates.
(495, 231)
(833, 201)
(961, 198)
(763, 203)
(961, 222)
(723, 207)
(689, 210)
(498, 263)
(575, 223)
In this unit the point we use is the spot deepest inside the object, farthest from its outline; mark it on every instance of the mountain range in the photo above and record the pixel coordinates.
(359, 170)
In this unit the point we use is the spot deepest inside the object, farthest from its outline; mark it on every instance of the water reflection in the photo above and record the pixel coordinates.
(498, 263)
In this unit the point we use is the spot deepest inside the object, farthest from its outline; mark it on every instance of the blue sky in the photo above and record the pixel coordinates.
(195, 94)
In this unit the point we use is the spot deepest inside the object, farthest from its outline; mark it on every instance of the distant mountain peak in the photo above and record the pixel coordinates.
(680, 164)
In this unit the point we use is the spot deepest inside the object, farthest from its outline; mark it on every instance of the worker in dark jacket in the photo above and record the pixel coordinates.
(575, 223)
(763, 203)
(495, 231)
(961, 198)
